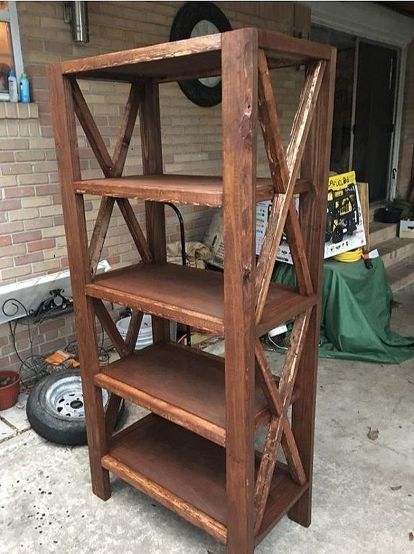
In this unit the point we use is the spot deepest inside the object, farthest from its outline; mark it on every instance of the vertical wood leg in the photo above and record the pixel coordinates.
(313, 215)
(239, 109)
(75, 224)
(152, 164)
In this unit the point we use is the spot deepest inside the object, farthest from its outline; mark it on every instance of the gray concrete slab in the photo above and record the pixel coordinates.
(363, 489)
(16, 416)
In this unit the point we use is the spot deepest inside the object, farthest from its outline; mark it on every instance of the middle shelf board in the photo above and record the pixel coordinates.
(182, 189)
(190, 296)
(187, 474)
(181, 384)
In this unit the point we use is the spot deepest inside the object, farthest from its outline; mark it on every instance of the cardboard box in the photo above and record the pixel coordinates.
(345, 226)
(214, 239)
(342, 191)
(406, 229)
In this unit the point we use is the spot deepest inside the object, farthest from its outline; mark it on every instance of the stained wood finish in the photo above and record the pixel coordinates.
(64, 125)
(280, 175)
(239, 122)
(133, 331)
(181, 189)
(281, 398)
(180, 384)
(145, 455)
(111, 415)
(190, 296)
(151, 146)
(289, 167)
(195, 57)
(313, 216)
(184, 51)
(99, 233)
(234, 494)
(135, 229)
(110, 327)
(126, 130)
(279, 46)
(91, 130)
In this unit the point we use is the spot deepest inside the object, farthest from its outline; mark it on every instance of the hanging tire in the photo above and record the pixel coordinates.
(55, 408)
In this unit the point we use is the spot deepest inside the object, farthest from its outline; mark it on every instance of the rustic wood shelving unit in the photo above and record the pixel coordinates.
(195, 453)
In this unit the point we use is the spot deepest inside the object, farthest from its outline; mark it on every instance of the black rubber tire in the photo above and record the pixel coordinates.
(45, 422)
(184, 22)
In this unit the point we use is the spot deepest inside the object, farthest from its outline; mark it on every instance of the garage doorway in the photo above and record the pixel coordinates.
(364, 111)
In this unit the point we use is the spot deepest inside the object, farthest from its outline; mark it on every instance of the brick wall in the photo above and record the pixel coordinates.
(407, 131)
(32, 240)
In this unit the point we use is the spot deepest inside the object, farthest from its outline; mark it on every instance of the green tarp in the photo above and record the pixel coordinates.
(356, 308)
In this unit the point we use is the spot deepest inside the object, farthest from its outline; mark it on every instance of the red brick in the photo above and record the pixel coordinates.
(43, 190)
(11, 227)
(19, 192)
(51, 324)
(29, 258)
(6, 157)
(5, 240)
(27, 236)
(11, 205)
(41, 245)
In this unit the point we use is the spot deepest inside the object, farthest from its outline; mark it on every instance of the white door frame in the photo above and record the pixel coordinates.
(375, 23)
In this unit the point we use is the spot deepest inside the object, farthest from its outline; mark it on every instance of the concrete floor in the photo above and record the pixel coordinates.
(363, 489)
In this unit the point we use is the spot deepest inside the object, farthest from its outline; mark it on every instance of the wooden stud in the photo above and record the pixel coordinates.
(91, 130)
(239, 123)
(275, 152)
(151, 145)
(279, 423)
(110, 327)
(285, 171)
(111, 415)
(313, 217)
(133, 331)
(99, 232)
(277, 407)
(127, 127)
(60, 91)
(113, 169)
(134, 228)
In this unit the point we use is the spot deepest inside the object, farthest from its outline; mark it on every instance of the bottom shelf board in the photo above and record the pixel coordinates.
(186, 473)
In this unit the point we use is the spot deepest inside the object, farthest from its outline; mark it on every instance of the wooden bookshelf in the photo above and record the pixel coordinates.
(195, 453)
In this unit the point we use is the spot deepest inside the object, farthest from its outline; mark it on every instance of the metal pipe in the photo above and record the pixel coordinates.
(80, 27)
(183, 252)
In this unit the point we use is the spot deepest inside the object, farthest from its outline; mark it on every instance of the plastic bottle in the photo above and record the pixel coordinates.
(13, 91)
(24, 89)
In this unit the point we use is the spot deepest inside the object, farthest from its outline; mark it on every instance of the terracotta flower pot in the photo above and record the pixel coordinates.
(9, 392)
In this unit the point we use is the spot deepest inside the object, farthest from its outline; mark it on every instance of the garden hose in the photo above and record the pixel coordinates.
(351, 256)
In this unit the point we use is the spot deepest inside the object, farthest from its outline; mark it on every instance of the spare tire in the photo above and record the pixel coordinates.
(55, 408)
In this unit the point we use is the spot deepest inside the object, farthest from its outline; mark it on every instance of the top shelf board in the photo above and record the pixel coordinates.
(186, 59)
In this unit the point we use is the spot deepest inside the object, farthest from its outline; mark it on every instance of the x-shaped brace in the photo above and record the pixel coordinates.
(111, 167)
(279, 430)
(284, 169)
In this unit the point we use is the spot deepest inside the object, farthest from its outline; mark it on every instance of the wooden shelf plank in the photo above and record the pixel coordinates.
(190, 296)
(186, 473)
(157, 60)
(181, 384)
(284, 48)
(184, 189)
(187, 59)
